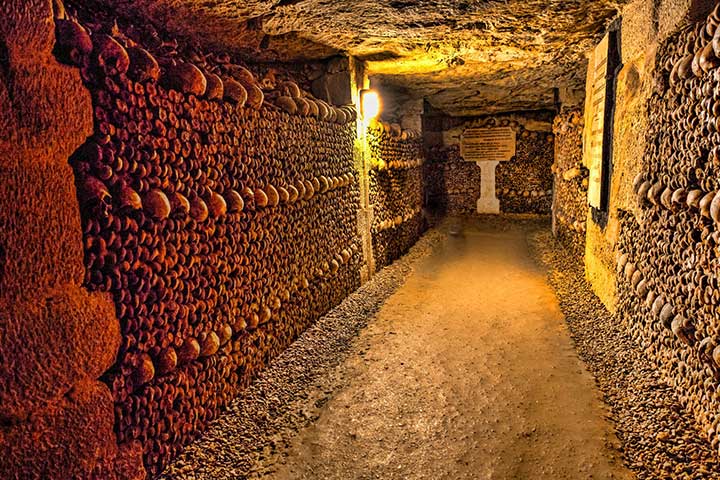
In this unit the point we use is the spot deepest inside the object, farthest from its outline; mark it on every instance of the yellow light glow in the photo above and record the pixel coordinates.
(370, 102)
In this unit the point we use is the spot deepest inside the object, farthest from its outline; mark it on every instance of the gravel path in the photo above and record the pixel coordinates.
(658, 439)
(246, 441)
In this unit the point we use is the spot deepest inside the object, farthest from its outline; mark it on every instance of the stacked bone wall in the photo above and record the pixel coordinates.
(453, 185)
(523, 184)
(396, 191)
(221, 227)
(570, 180)
(668, 262)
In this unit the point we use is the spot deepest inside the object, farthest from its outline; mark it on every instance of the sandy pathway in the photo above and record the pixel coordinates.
(467, 372)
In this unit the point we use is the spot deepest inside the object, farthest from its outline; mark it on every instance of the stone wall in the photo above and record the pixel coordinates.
(396, 190)
(570, 180)
(56, 337)
(523, 184)
(173, 221)
(655, 260)
(668, 259)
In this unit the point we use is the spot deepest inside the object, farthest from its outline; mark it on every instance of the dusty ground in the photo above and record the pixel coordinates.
(467, 371)
(659, 438)
(463, 368)
(249, 439)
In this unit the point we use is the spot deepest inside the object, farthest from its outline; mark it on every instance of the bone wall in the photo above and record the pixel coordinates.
(396, 190)
(645, 24)
(192, 219)
(570, 180)
(523, 184)
(221, 226)
(453, 185)
(667, 255)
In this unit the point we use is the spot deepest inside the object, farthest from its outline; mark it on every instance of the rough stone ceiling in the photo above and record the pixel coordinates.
(465, 56)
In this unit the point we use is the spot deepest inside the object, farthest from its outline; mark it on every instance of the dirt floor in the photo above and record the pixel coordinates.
(467, 371)
(456, 362)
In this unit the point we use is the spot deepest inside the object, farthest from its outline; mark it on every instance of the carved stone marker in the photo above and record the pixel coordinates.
(487, 147)
(595, 128)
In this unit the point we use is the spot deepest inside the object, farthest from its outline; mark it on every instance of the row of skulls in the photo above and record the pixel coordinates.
(396, 190)
(219, 215)
(668, 257)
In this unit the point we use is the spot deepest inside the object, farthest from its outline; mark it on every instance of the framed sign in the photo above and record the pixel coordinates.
(604, 64)
(488, 144)
(595, 139)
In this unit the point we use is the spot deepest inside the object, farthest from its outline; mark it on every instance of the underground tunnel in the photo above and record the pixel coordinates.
(311, 239)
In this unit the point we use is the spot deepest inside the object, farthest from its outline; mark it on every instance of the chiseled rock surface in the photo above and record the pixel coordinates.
(465, 56)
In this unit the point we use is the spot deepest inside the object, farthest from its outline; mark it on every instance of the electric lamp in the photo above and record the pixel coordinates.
(369, 104)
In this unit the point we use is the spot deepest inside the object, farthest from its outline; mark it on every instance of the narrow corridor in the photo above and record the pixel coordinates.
(231, 244)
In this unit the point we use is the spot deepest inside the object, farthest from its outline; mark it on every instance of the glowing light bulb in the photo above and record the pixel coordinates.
(370, 103)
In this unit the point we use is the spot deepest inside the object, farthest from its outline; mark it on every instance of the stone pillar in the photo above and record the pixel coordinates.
(358, 80)
(56, 337)
(488, 201)
(337, 85)
(340, 84)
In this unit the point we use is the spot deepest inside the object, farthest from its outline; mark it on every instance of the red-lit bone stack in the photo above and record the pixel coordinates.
(396, 190)
(221, 219)
(668, 263)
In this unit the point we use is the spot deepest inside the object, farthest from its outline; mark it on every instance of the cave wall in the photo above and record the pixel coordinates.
(170, 227)
(570, 180)
(655, 262)
(645, 25)
(523, 184)
(56, 337)
(396, 190)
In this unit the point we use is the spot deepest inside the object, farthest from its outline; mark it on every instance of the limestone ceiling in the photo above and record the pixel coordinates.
(464, 56)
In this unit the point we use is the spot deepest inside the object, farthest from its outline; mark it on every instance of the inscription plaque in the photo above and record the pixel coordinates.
(488, 144)
(594, 145)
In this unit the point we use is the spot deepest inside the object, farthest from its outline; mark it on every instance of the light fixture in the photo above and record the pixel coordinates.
(369, 104)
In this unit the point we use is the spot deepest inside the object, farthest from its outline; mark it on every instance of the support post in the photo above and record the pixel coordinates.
(488, 201)
(358, 81)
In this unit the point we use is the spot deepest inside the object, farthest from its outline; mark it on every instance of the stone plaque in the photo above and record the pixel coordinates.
(488, 144)
(596, 113)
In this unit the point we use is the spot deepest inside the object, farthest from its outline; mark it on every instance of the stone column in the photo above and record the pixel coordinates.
(56, 337)
(341, 83)
(358, 80)
(488, 201)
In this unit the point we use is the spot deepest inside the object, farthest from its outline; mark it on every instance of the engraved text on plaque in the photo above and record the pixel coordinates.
(488, 144)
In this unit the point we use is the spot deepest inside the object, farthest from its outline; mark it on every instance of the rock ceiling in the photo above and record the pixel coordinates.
(464, 56)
